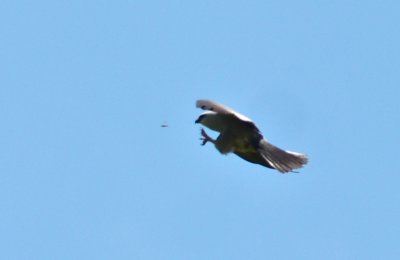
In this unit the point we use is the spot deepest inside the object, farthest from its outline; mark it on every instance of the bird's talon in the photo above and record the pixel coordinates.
(205, 138)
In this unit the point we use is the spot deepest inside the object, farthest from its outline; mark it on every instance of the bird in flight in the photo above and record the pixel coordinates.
(239, 135)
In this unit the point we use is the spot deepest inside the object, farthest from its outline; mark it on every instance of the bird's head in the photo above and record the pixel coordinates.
(211, 120)
(206, 118)
(200, 119)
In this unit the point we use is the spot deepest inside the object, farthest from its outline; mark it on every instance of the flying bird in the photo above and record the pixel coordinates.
(239, 135)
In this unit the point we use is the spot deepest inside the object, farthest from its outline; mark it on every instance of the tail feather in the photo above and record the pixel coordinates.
(283, 161)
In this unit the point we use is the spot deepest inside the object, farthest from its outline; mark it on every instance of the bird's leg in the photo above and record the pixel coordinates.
(205, 137)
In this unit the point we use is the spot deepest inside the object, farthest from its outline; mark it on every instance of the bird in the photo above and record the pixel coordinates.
(240, 135)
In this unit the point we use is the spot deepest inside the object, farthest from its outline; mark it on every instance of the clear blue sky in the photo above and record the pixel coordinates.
(88, 173)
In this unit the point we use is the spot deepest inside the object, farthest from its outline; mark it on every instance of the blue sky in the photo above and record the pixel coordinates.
(88, 173)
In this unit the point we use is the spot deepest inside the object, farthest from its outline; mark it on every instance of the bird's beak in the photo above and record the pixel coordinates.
(197, 121)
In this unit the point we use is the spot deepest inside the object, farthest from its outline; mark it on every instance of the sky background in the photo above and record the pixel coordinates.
(86, 171)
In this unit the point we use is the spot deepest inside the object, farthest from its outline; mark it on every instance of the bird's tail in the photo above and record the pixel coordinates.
(283, 161)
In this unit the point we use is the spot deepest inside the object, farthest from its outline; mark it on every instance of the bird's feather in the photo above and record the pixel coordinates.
(283, 161)
(213, 106)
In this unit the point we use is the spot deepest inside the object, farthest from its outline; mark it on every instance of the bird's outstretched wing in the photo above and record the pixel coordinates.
(221, 109)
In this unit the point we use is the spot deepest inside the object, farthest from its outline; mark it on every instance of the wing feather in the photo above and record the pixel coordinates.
(213, 106)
